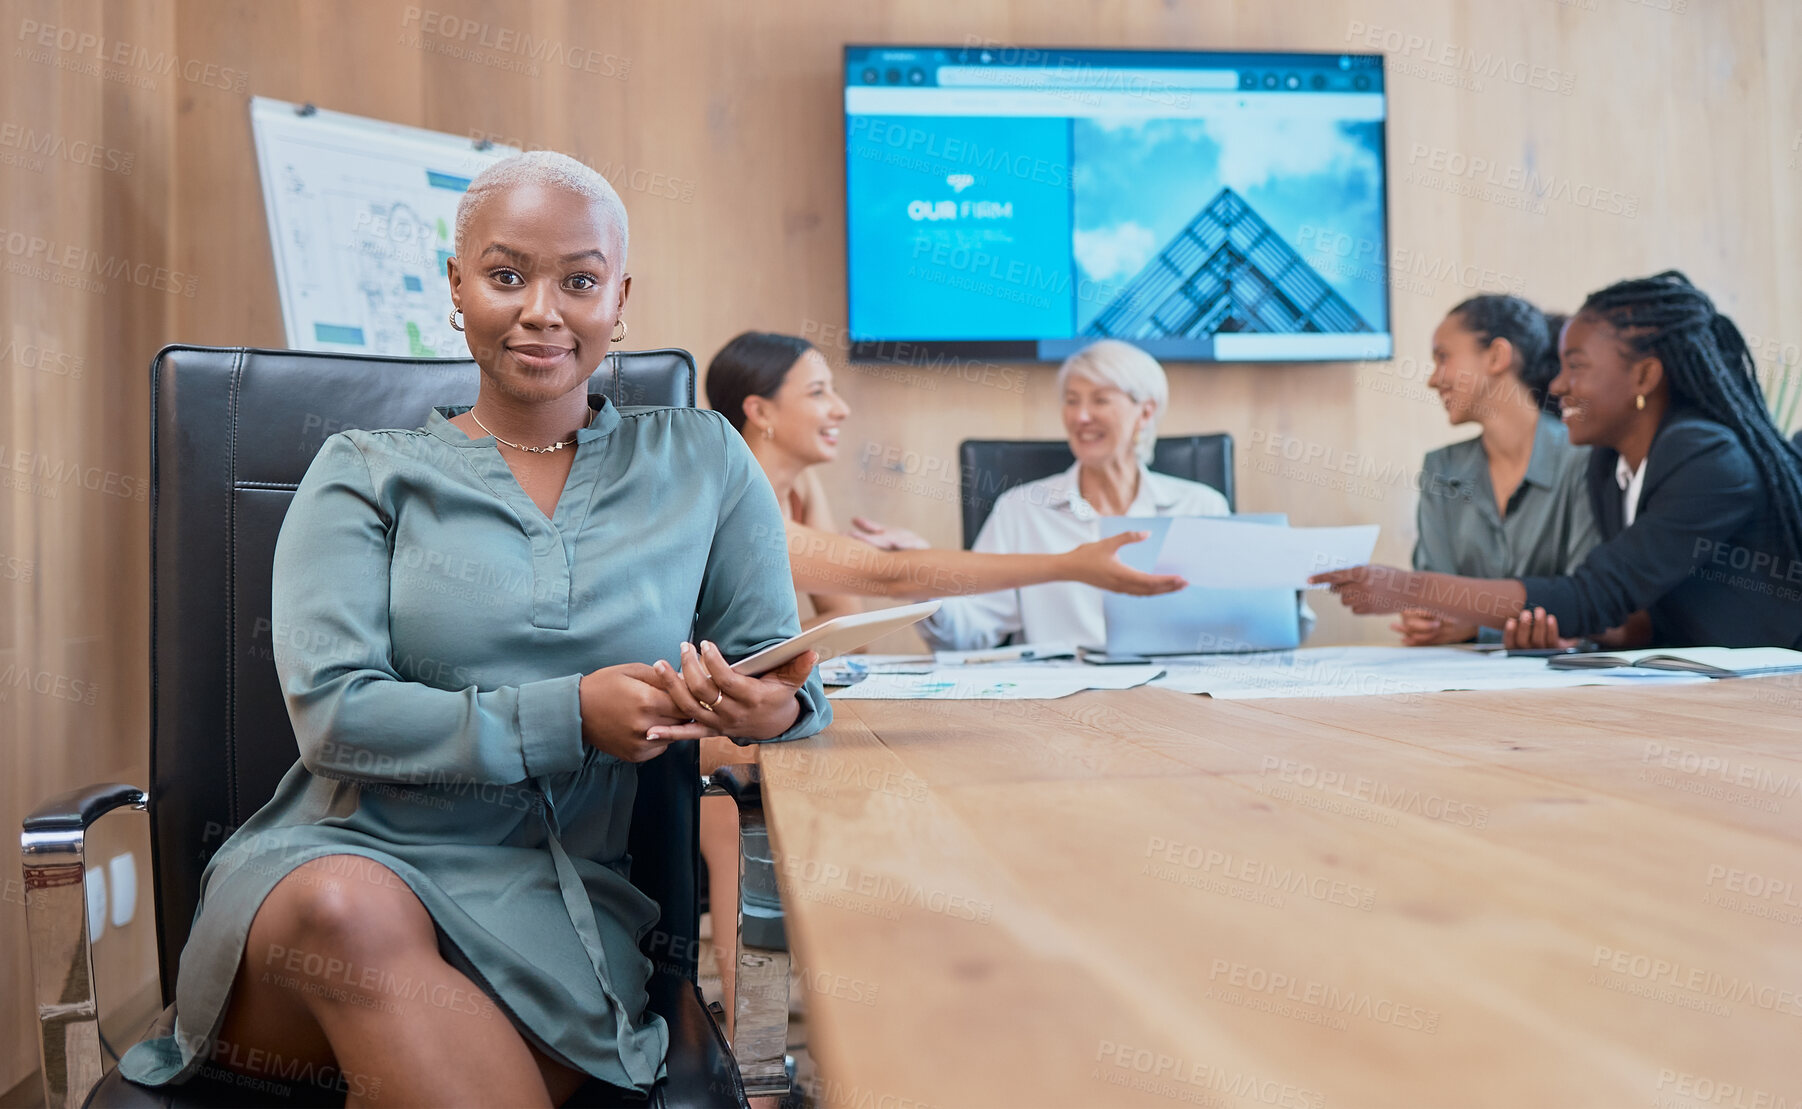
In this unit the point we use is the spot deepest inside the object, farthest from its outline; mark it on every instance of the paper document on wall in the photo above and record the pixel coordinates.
(362, 220)
(1222, 553)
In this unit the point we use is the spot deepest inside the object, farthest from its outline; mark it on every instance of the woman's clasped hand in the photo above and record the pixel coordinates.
(634, 711)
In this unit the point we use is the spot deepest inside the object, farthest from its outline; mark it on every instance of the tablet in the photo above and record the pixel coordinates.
(835, 637)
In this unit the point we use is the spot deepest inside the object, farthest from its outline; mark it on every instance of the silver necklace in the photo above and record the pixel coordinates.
(535, 450)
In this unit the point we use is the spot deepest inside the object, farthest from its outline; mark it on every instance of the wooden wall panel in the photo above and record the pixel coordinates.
(720, 122)
(88, 291)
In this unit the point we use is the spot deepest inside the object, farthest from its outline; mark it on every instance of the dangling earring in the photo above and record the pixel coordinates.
(769, 432)
(456, 323)
(619, 331)
(1639, 402)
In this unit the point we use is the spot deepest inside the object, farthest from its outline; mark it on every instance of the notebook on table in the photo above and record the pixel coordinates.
(1716, 662)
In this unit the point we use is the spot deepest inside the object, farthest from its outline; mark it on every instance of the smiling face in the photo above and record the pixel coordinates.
(541, 288)
(1599, 380)
(1464, 368)
(804, 414)
(1099, 421)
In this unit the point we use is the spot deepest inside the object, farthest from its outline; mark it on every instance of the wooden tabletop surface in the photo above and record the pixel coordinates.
(1568, 898)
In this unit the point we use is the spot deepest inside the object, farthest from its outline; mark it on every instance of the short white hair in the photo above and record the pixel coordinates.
(547, 168)
(1128, 369)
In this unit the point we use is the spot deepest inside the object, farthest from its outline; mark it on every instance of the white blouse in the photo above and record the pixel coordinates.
(1050, 516)
(1630, 482)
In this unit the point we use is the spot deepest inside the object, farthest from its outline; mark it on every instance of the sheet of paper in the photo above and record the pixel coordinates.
(994, 681)
(1222, 553)
(1377, 671)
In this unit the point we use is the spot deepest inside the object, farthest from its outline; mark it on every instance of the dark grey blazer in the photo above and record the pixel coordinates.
(1704, 555)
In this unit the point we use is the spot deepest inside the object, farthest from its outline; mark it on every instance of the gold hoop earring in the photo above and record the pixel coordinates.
(619, 331)
(1639, 402)
(455, 312)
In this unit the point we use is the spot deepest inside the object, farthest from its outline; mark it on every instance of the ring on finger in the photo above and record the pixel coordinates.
(718, 696)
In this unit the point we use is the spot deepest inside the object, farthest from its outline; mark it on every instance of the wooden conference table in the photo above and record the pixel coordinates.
(1557, 898)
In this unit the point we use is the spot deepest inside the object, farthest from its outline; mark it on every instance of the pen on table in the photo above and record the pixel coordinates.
(1003, 656)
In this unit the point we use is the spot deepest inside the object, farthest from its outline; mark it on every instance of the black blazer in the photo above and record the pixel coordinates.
(1704, 556)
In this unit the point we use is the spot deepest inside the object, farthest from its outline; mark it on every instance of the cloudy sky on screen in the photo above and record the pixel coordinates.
(1138, 182)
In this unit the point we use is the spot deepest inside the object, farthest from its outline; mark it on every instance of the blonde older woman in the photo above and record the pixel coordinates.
(1113, 393)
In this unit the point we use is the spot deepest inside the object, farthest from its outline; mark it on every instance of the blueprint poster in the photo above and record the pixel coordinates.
(361, 218)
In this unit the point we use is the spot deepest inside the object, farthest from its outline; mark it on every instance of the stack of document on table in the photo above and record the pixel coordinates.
(1307, 672)
(1027, 681)
(1713, 662)
(1380, 671)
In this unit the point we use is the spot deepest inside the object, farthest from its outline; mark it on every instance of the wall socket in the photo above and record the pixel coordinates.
(96, 903)
(121, 875)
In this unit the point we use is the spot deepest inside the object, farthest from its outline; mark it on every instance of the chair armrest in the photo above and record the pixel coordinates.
(760, 1019)
(75, 810)
(53, 851)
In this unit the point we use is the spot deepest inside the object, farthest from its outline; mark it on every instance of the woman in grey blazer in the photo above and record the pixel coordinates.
(1511, 502)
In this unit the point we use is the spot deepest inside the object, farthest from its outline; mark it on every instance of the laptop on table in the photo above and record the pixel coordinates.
(1194, 620)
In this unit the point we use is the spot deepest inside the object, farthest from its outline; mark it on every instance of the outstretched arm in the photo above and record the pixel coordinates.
(1492, 603)
(827, 563)
(1372, 589)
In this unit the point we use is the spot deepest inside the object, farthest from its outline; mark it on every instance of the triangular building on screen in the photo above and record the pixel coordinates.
(1226, 271)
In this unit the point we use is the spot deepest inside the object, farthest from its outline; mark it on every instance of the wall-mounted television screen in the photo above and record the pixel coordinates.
(1003, 202)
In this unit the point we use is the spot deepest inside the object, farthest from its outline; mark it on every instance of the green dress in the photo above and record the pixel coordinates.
(430, 628)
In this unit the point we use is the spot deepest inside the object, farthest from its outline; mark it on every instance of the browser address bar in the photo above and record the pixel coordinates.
(1084, 77)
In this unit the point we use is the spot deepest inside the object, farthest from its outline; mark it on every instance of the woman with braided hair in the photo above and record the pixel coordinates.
(1696, 493)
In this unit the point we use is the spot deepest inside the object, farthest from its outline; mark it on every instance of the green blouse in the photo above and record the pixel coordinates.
(431, 627)
(1548, 528)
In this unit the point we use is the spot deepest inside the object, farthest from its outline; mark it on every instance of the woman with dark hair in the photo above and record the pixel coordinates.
(777, 391)
(1697, 495)
(1511, 502)
(790, 416)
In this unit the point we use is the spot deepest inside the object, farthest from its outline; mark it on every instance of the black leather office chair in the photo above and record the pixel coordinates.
(233, 431)
(990, 467)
